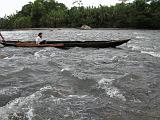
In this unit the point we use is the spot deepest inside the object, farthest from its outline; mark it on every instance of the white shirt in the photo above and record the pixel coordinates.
(38, 40)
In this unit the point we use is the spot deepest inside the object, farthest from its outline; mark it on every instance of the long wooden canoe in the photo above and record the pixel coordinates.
(68, 44)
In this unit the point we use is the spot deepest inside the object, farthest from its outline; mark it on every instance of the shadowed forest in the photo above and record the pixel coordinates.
(140, 14)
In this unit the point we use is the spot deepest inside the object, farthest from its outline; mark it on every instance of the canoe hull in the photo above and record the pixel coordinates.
(68, 44)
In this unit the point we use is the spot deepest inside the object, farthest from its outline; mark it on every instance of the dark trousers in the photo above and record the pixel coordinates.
(43, 42)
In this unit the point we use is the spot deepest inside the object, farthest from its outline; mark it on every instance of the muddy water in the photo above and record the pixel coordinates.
(81, 84)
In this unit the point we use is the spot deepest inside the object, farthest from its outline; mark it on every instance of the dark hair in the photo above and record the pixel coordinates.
(39, 34)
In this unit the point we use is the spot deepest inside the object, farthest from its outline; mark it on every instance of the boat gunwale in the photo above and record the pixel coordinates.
(96, 44)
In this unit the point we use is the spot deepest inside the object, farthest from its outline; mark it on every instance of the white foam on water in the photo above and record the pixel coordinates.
(12, 57)
(134, 48)
(105, 81)
(18, 103)
(79, 34)
(140, 37)
(77, 96)
(155, 54)
(9, 91)
(39, 54)
(115, 59)
(30, 114)
(52, 55)
(67, 68)
(6, 58)
(137, 100)
(26, 104)
(36, 54)
(112, 91)
(138, 33)
(17, 58)
(46, 88)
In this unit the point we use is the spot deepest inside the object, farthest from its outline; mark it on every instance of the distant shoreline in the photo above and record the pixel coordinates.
(51, 29)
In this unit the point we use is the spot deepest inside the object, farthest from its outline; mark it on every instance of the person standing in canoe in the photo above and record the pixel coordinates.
(1, 41)
(39, 39)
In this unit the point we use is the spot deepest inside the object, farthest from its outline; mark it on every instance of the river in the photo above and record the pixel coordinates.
(120, 83)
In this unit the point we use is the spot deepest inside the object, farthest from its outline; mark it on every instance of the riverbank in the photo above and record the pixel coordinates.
(52, 29)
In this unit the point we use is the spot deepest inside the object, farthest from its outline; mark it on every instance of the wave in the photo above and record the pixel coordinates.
(154, 54)
(140, 37)
(138, 33)
(66, 69)
(19, 71)
(18, 58)
(12, 57)
(30, 114)
(39, 53)
(23, 103)
(145, 51)
(44, 99)
(3, 56)
(135, 48)
(9, 91)
(112, 91)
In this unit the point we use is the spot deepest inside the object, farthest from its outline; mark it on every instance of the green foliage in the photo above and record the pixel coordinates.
(26, 10)
(23, 22)
(49, 13)
(55, 18)
(37, 12)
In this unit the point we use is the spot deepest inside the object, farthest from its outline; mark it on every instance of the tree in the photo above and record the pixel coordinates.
(26, 9)
(23, 22)
(38, 10)
(49, 13)
(123, 1)
(54, 19)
